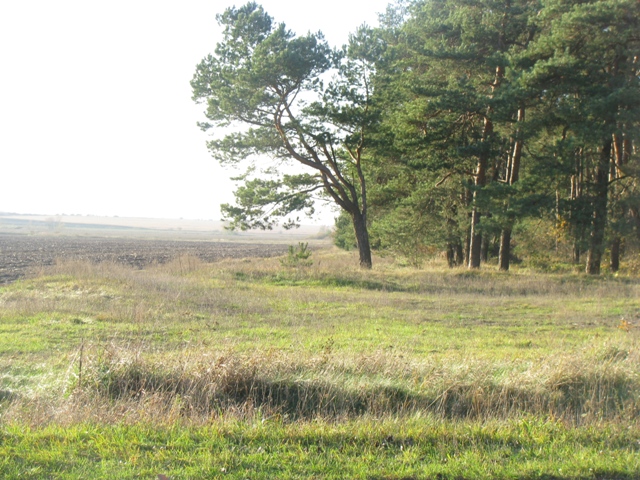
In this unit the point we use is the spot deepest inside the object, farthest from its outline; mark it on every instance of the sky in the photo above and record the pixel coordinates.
(96, 116)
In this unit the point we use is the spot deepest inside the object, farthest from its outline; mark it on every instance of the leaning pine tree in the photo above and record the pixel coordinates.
(264, 89)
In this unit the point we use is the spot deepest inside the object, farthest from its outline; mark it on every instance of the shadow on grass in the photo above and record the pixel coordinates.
(573, 397)
(301, 280)
(463, 282)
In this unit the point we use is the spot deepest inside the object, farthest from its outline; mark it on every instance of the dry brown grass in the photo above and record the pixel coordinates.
(124, 383)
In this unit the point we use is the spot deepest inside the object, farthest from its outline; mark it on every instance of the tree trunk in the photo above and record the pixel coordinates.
(475, 249)
(513, 174)
(615, 254)
(621, 153)
(505, 249)
(484, 251)
(635, 215)
(475, 241)
(451, 258)
(599, 219)
(460, 260)
(467, 246)
(577, 227)
(362, 237)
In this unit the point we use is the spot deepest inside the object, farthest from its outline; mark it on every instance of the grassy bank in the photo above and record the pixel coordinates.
(198, 371)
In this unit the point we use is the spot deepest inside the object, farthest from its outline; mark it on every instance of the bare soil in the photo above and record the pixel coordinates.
(21, 253)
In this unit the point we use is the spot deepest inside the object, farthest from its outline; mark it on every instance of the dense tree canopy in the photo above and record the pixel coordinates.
(462, 126)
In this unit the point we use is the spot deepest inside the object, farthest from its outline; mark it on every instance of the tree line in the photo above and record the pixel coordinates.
(450, 127)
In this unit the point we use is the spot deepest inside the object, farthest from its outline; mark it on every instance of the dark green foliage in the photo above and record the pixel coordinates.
(343, 235)
(498, 111)
(442, 129)
(450, 115)
(585, 85)
(262, 202)
(298, 256)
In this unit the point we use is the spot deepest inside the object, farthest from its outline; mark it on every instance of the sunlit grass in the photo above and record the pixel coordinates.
(394, 373)
(415, 448)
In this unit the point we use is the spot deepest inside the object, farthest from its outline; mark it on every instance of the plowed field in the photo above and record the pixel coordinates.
(20, 253)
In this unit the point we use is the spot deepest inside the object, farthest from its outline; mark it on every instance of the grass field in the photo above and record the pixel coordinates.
(248, 369)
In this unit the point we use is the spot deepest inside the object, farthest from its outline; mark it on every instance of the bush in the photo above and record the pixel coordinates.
(297, 256)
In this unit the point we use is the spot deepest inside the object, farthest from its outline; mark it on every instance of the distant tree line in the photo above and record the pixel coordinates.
(459, 126)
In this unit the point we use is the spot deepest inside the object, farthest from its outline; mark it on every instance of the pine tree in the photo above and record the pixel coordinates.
(585, 71)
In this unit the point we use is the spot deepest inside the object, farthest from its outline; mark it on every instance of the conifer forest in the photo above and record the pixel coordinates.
(480, 130)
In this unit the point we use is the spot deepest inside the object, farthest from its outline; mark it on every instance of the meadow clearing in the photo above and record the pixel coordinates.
(247, 368)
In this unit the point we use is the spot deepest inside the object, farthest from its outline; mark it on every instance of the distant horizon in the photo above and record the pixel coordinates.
(41, 214)
(128, 217)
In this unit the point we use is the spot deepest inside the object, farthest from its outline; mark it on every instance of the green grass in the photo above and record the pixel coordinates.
(250, 369)
(414, 448)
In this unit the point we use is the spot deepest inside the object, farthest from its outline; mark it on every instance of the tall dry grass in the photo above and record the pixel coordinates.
(124, 383)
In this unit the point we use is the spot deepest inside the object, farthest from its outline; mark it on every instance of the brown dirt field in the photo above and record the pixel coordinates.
(21, 253)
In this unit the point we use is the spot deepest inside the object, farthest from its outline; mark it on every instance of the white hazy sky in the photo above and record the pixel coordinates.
(96, 115)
